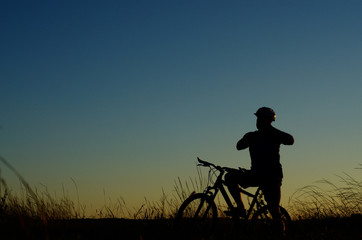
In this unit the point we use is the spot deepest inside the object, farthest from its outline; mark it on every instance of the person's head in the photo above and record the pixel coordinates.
(265, 116)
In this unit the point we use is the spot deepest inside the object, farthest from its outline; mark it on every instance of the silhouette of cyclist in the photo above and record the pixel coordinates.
(266, 170)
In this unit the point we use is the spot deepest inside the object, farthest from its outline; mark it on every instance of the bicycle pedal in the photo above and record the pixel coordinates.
(235, 212)
(229, 213)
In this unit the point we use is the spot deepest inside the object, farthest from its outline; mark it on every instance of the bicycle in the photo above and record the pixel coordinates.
(199, 209)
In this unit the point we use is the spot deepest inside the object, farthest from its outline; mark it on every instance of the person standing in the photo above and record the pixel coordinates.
(266, 170)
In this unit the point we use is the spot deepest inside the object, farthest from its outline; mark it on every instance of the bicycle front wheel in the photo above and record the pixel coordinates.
(197, 211)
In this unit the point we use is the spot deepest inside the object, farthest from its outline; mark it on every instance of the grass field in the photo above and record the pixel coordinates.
(322, 211)
(332, 228)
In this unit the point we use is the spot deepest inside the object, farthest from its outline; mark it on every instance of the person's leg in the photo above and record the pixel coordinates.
(232, 179)
(272, 194)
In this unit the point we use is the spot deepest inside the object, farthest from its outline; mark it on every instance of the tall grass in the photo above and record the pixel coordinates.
(162, 209)
(40, 204)
(328, 199)
(321, 200)
(35, 204)
(183, 189)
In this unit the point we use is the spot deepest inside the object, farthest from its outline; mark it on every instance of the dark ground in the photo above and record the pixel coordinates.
(314, 229)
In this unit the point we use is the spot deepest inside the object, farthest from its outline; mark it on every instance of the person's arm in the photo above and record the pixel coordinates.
(243, 143)
(287, 139)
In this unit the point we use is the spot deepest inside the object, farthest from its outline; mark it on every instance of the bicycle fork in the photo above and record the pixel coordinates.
(209, 196)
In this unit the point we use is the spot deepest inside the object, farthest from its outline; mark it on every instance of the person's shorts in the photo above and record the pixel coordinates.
(247, 178)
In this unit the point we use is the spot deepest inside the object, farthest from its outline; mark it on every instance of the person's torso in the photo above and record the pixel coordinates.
(264, 148)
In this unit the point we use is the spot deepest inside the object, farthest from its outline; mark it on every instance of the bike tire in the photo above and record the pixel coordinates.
(198, 212)
(263, 217)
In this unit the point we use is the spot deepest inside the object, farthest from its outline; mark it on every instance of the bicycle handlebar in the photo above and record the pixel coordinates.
(208, 164)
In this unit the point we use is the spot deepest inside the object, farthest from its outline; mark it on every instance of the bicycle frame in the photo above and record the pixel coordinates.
(212, 191)
(201, 209)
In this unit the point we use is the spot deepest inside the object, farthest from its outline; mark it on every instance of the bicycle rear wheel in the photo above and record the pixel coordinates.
(197, 212)
(264, 219)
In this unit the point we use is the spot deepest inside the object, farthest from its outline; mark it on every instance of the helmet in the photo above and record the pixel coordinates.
(266, 113)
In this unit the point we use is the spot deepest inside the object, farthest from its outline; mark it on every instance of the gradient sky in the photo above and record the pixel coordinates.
(122, 96)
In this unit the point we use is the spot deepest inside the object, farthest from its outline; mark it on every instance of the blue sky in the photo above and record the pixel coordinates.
(122, 96)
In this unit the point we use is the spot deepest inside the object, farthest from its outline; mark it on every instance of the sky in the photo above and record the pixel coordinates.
(121, 97)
